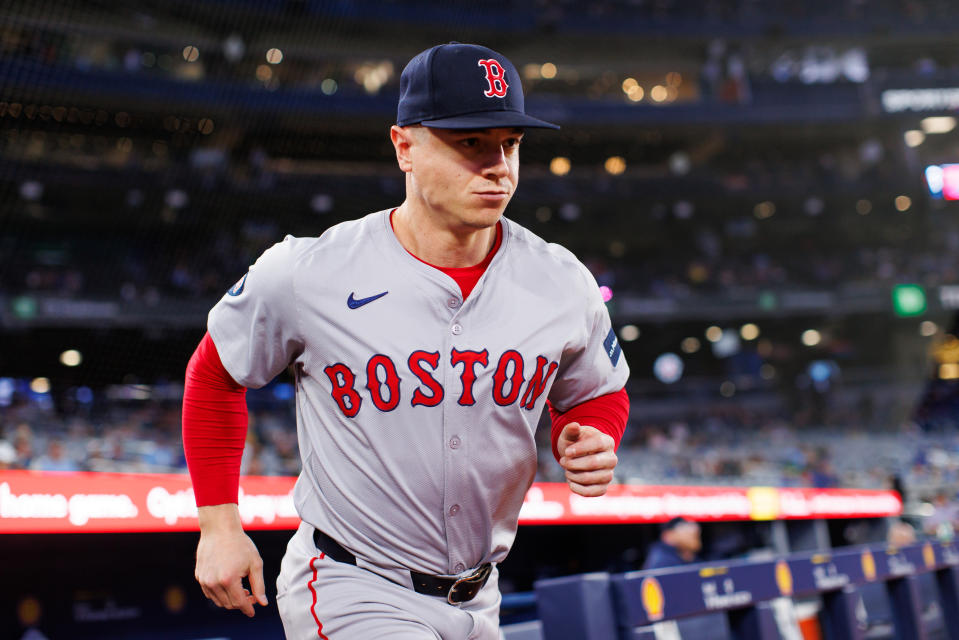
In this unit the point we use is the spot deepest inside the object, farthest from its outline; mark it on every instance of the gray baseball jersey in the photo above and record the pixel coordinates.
(416, 409)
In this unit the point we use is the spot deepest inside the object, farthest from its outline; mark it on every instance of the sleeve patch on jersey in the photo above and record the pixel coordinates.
(237, 289)
(611, 344)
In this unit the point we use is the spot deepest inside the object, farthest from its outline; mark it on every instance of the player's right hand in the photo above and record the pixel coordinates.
(226, 555)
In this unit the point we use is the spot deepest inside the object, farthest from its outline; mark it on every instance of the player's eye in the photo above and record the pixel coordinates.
(511, 142)
(469, 142)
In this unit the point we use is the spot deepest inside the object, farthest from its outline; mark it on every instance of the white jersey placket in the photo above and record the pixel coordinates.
(456, 442)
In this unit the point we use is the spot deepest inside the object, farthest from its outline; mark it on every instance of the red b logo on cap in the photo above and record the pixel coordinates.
(496, 77)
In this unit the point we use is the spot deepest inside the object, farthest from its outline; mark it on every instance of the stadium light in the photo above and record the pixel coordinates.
(949, 371)
(938, 124)
(914, 137)
(811, 337)
(559, 166)
(548, 70)
(727, 345)
(71, 358)
(274, 56)
(668, 368)
(714, 333)
(328, 86)
(615, 165)
(628, 333)
(690, 345)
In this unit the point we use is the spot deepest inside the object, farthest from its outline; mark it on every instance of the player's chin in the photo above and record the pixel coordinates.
(485, 217)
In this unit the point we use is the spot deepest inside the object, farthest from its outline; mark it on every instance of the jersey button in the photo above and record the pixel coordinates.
(459, 567)
(454, 510)
(455, 442)
(453, 303)
(456, 329)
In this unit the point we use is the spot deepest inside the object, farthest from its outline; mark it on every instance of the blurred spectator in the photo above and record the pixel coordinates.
(679, 543)
(55, 459)
(901, 534)
(8, 455)
(942, 522)
(23, 445)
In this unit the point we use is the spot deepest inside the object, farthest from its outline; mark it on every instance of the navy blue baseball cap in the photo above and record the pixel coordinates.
(463, 86)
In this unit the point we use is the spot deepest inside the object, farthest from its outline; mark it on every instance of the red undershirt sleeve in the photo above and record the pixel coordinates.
(214, 427)
(608, 413)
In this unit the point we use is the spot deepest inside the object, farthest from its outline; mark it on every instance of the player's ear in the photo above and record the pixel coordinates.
(402, 138)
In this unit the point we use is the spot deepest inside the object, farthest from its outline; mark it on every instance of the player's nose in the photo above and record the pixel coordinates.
(496, 165)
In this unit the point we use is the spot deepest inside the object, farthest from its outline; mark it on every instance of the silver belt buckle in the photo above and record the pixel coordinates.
(479, 577)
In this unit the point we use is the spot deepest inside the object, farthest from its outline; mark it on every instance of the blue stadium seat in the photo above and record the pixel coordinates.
(713, 626)
(876, 601)
(929, 596)
(532, 630)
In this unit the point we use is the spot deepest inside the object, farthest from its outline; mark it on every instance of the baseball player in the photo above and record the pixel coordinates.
(425, 341)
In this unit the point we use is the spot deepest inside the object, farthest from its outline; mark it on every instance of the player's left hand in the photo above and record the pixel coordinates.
(588, 455)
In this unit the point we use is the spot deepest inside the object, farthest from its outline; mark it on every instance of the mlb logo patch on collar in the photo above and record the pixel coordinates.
(237, 289)
(611, 344)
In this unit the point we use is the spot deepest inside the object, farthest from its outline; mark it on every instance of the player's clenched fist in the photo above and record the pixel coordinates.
(588, 456)
(226, 555)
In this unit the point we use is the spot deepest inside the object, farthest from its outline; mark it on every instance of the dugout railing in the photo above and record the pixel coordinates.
(603, 606)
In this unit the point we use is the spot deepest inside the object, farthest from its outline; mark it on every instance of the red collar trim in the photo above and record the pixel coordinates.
(455, 272)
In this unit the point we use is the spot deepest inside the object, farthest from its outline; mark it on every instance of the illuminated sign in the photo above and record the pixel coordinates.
(943, 181)
(949, 296)
(898, 100)
(50, 502)
(908, 300)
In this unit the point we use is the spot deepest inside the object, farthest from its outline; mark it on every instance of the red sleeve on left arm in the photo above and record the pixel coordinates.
(607, 413)
(214, 427)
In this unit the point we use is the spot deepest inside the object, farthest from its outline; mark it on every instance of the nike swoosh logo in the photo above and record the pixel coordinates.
(353, 303)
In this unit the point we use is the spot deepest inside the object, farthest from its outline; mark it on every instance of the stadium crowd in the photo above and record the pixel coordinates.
(77, 268)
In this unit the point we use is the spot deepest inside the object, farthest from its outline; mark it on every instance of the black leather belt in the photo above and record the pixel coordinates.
(453, 589)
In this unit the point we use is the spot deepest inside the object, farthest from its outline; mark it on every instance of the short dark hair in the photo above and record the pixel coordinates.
(672, 523)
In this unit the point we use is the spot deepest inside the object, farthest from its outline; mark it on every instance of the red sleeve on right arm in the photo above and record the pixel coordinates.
(214, 427)
(608, 413)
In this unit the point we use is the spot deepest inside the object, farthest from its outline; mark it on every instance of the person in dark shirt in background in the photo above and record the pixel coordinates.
(679, 543)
